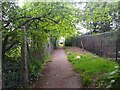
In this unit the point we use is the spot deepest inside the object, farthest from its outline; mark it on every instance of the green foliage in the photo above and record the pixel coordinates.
(91, 67)
(113, 79)
(14, 54)
(71, 56)
(35, 69)
(43, 21)
(54, 18)
(100, 14)
(87, 80)
(36, 66)
(70, 41)
(11, 74)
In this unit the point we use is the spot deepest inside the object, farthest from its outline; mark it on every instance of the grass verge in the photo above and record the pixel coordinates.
(91, 68)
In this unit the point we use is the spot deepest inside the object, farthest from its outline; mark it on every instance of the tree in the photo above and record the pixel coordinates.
(56, 19)
(42, 20)
(99, 16)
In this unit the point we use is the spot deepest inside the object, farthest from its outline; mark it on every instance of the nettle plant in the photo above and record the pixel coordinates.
(112, 80)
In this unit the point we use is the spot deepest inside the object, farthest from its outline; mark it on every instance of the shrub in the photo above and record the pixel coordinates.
(36, 66)
(70, 41)
(11, 74)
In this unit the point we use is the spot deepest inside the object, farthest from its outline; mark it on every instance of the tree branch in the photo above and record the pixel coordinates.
(10, 46)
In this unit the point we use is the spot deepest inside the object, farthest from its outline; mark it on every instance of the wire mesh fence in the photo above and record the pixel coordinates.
(103, 44)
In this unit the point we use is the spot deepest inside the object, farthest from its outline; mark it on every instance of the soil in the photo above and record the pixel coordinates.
(76, 50)
(59, 73)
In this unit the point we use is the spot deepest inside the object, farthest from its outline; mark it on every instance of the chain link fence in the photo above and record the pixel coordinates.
(103, 44)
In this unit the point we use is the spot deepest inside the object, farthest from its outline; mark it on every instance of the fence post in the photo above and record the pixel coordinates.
(24, 57)
(101, 50)
(1, 46)
(0, 60)
(116, 46)
(82, 45)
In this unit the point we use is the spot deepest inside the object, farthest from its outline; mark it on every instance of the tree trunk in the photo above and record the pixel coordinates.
(24, 58)
(0, 59)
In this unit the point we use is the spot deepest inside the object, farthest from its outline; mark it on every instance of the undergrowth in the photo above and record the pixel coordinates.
(113, 79)
(36, 67)
(12, 69)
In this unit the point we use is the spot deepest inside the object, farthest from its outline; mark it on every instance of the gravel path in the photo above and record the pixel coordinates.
(58, 73)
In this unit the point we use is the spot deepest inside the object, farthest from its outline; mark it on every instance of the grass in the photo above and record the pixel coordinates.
(91, 68)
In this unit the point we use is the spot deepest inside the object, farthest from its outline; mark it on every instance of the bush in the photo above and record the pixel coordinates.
(11, 74)
(36, 66)
(12, 69)
(70, 41)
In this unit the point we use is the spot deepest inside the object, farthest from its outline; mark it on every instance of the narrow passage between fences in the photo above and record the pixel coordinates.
(59, 73)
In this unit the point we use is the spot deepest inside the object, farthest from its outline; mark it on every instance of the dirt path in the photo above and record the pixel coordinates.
(58, 73)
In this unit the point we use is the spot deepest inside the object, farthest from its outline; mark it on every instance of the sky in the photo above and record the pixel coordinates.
(20, 2)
